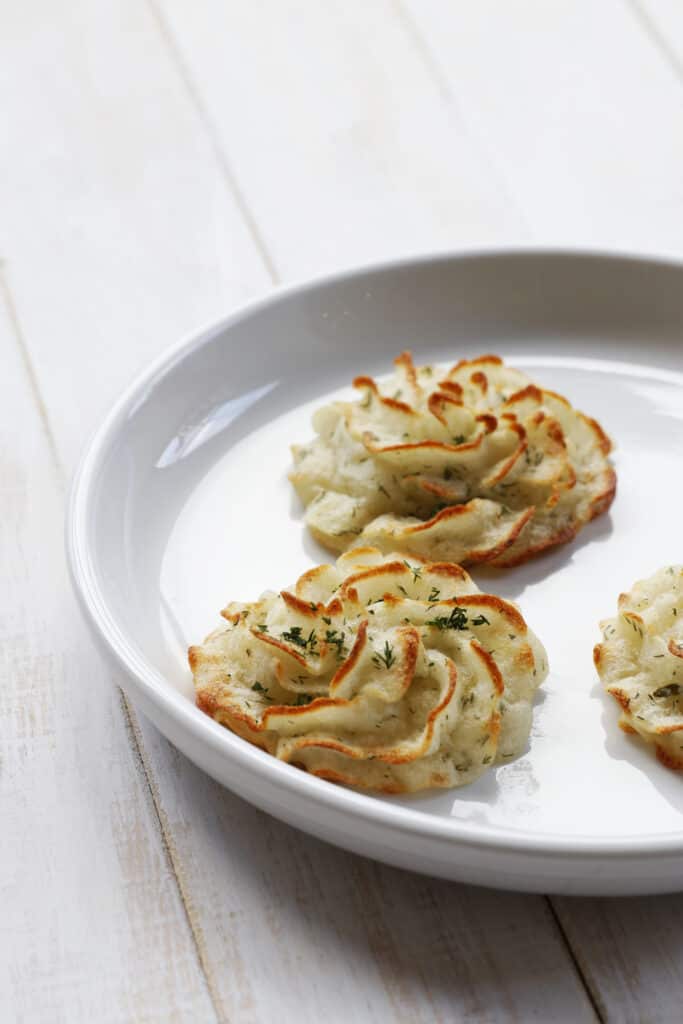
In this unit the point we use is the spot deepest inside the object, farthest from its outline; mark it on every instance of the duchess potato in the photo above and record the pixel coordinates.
(382, 672)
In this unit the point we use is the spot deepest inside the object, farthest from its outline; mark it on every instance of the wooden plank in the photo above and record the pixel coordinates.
(629, 950)
(630, 953)
(577, 108)
(590, 155)
(92, 924)
(113, 246)
(300, 909)
(293, 927)
(575, 192)
(662, 20)
(344, 147)
(120, 234)
(115, 198)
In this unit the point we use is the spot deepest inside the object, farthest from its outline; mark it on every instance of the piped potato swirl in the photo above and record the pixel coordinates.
(640, 662)
(472, 464)
(382, 672)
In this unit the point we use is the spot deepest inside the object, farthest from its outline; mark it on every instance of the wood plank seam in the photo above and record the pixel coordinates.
(656, 36)
(207, 121)
(432, 66)
(207, 124)
(171, 854)
(10, 305)
(129, 717)
(429, 60)
(156, 776)
(591, 992)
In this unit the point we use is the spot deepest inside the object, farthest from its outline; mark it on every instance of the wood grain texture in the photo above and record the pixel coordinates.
(287, 921)
(185, 156)
(250, 958)
(662, 21)
(577, 107)
(115, 198)
(629, 951)
(344, 146)
(118, 225)
(92, 924)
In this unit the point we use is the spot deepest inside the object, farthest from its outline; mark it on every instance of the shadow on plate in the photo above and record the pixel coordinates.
(622, 746)
(507, 583)
(511, 583)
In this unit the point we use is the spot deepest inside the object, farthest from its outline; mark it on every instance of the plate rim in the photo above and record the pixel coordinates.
(151, 683)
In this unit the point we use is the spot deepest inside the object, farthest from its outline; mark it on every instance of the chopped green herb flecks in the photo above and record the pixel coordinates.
(456, 620)
(672, 690)
(336, 639)
(386, 658)
(294, 635)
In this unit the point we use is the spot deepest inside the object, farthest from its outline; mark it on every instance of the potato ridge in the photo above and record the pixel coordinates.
(640, 662)
(381, 672)
(472, 464)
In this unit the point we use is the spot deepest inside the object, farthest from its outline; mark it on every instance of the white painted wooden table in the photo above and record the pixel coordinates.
(160, 163)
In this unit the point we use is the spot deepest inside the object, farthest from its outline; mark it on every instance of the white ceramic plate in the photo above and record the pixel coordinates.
(182, 503)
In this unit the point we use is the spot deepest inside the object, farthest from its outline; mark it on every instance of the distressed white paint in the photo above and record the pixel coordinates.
(117, 227)
(164, 163)
(92, 925)
(662, 20)
(341, 141)
(578, 108)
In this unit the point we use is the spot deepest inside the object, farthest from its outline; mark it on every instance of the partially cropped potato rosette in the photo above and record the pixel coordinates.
(640, 662)
(386, 673)
(471, 464)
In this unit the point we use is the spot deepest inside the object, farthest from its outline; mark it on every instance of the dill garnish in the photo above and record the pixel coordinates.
(672, 690)
(294, 635)
(336, 639)
(386, 658)
(417, 573)
(456, 620)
